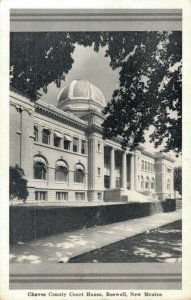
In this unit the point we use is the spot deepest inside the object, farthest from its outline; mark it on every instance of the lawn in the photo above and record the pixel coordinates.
(160, 245)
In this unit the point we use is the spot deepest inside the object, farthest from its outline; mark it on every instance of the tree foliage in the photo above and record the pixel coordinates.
(149, 65)
(17, 184)
(178, 179)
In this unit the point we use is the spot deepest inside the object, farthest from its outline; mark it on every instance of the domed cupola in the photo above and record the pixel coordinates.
(79, 97)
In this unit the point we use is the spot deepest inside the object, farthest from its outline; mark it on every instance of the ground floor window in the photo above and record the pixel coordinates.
(153, 184)
(99, 196)
(41, 195)
(117, 182)
(107, 182)
(142, 183)
(80, 196)
(62, 196)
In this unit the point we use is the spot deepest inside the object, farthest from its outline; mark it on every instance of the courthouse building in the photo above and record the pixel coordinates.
(64, 157)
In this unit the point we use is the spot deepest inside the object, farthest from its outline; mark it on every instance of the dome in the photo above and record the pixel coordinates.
(79, 96)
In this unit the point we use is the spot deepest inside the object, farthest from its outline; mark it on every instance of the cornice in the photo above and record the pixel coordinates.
(53, 112)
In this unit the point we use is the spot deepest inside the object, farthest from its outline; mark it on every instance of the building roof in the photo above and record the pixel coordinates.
(82, 90)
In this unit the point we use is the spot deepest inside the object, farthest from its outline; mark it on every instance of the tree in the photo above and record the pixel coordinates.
(149, 66)
(149, 92)
(17, 184)
(178, 179)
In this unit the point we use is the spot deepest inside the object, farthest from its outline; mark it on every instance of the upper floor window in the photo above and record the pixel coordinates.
(83, 147)
(98, 147)
(142, 164)
(145, 166)
(79, 173)
(40, 168)
(67, 142)
(57, 139)
(168, 184)
(35, 133)
(149, 166)
(61, 171)
(46, 136)
(98, 171)
(168, 170)
(75, 144)
(106, 158)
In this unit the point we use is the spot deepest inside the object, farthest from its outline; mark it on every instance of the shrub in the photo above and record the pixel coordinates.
(17, 184)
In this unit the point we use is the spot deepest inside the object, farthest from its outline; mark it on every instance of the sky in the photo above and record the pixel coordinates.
(89, 65)
(95, 67)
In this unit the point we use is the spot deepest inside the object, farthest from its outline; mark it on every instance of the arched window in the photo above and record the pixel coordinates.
(147, 182)
(61, 171)
(142, 183)
(79, 173)
(40, 168)
(152, 184)
(168, 184)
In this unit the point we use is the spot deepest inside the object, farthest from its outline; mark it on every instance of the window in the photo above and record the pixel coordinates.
(106, 181)
(145, 166)
(99, 196)
(35, 133)
(168, 170)
(149, 168)
(168, 184)
(41, 195)
(147, 183)
(83, 147)
(117, 182)
(142, 183)
(61, 171)
(75, 144)
(142, 165)
(57, 139)
(60, 196)
(40, 168)
(80, 196)
(98, 147)
(106, 160)
(79, 174)
(98, 171)
(152, 184)
(46, 136)
(67, 142)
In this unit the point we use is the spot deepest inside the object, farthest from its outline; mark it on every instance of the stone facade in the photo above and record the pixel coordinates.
(65, 158)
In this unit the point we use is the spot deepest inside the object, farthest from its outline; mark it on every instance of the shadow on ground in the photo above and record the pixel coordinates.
(160, 245)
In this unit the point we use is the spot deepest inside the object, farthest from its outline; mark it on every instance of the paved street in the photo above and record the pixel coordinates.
(62, 247)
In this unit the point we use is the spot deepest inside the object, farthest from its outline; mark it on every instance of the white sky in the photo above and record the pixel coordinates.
(94, 67)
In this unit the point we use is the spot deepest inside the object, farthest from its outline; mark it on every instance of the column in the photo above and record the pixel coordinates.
(132, 174)
(51, 137)
(124, 170)
(112, 168)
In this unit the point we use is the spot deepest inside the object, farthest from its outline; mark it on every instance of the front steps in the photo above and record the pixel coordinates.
(124, 195)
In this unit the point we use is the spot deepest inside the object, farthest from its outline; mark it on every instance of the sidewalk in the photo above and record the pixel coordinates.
(61, 247)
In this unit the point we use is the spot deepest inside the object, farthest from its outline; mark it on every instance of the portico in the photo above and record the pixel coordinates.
(119, 168)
